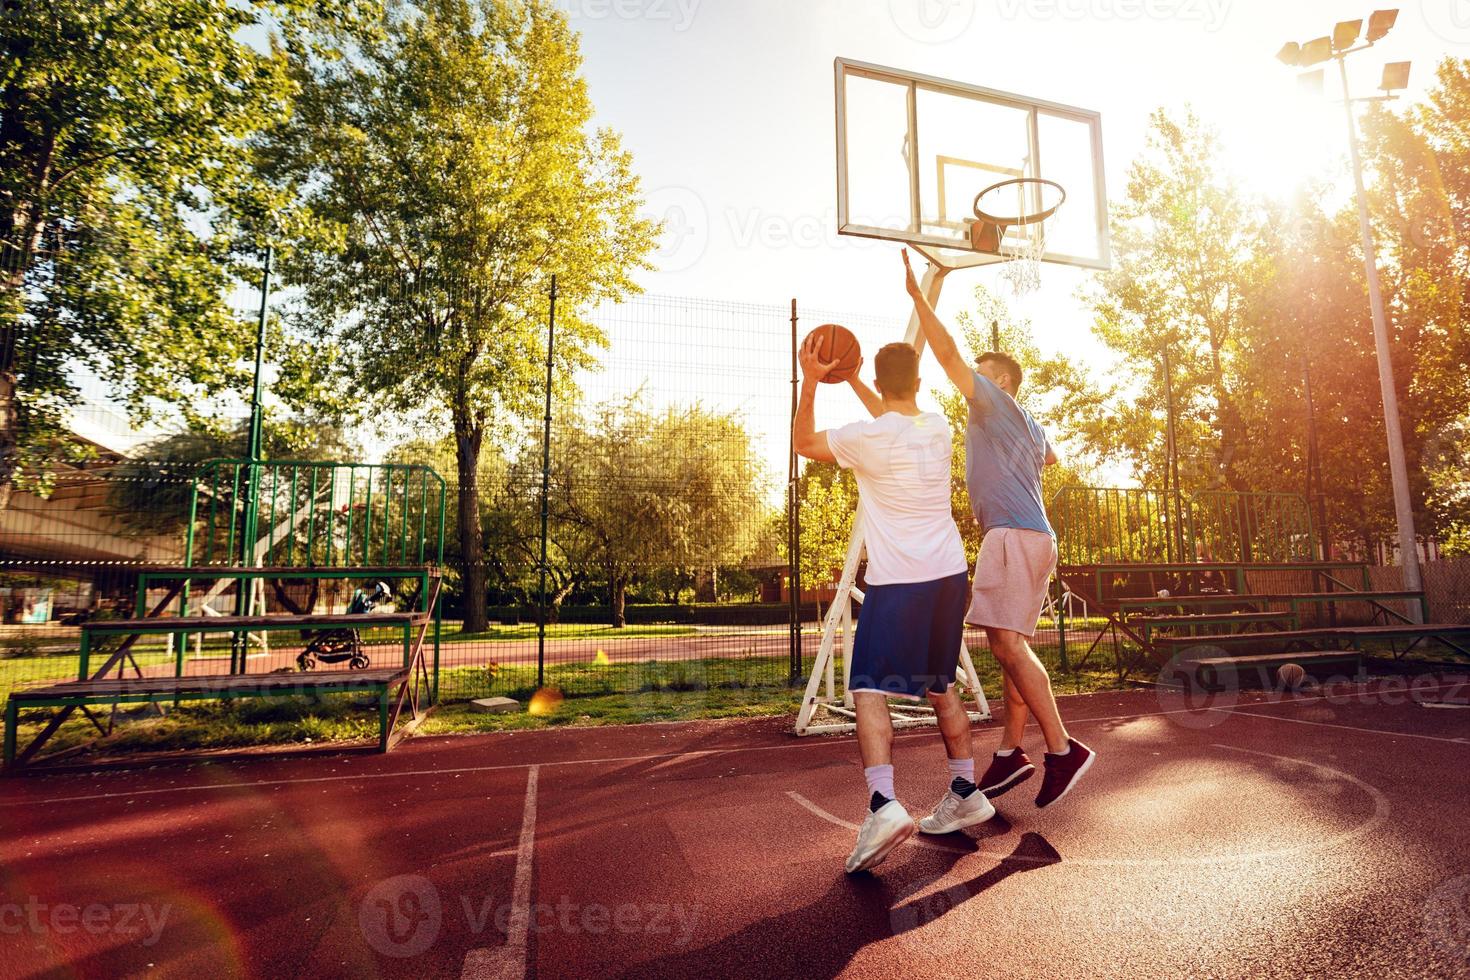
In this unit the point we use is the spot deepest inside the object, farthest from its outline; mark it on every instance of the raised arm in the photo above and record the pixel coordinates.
(870, 398)
(946, 351)
(808, 441)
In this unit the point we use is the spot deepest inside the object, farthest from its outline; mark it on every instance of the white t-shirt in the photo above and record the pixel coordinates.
(902, 465)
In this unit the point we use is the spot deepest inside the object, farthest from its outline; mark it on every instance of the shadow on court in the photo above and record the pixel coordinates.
(856, 910)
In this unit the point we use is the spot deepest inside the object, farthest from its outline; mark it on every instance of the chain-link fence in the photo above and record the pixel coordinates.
(665, 514)
(1446, 587)
(666, 525)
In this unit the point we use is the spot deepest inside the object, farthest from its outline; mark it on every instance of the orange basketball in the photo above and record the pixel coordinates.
(1291, 676)
(837, 344)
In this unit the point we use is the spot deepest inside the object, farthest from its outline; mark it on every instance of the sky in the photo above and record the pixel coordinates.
(727, 108)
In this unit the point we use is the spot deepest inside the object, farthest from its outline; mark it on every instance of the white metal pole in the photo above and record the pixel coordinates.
(1398, 471)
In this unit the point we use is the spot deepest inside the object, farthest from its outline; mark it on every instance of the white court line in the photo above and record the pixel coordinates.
(508, 962)
(1345, 728)
(814, 742)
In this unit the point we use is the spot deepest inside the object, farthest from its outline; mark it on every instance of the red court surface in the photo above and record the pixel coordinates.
(1268, 836)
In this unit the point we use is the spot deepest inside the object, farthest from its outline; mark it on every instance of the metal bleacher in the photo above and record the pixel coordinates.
(253, 523)
(1221, 578)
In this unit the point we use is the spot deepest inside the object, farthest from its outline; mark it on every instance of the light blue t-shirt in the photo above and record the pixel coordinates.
(1005, 451)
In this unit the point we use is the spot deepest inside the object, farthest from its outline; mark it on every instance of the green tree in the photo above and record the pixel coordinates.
(1312, 313)
(828, 498)
(1185, 264)
(151, 491)
(123, 194)
(1420, 209)
(678, 489)
(447, 170)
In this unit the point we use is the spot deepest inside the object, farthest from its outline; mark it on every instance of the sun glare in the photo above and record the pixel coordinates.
(1278, 141)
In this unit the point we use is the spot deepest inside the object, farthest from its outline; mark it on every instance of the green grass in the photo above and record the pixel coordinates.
(218, 724)
(63, 667)
(617, 694)
(1429, 650)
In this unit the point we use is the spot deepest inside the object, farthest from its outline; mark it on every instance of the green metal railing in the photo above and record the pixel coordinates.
(1139, 526)
(308, 514)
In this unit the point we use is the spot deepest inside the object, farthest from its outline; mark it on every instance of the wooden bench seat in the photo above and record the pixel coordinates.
(284, 571)
(390, 685)
(394, 687)
(228, 624)
(1444, 632)
(1208, 670)
(1194, 622)
(1208, 619)
(220, 685)
(1223, 599)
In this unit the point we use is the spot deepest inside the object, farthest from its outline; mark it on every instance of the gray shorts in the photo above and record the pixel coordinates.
(1012, 576)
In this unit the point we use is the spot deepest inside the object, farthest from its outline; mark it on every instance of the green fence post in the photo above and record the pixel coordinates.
(1062, 627)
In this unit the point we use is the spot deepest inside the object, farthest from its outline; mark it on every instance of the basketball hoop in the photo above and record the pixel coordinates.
(1037, 199)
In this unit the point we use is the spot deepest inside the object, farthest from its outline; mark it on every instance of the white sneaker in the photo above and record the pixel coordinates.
(955, 812)
(881, 832)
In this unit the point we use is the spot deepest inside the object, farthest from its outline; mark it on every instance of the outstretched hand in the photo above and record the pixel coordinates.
(813, 368)
(911, 283)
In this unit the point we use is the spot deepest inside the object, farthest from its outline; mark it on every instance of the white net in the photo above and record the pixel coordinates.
(1023, 251)
(1023, 246)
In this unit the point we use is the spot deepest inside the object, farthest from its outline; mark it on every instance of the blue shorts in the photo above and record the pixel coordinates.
(908, 637)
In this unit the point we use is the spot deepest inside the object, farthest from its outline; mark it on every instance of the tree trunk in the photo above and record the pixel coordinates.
(290, 604)
(13, 265)
(20, 237)
(553, 612)
(9, 434)
(707, 588)
(467, 439)
(619, 601)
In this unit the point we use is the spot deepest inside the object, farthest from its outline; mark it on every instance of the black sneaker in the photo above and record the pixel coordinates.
(1005, 773)
(1063, 771)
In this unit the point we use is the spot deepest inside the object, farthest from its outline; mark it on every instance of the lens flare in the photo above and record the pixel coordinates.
(545, 701)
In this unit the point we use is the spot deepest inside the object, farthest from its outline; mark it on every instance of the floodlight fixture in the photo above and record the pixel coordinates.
(1346, 34)
(1395, 76)
(1290, 54)
(1380, 23)
(1316, 52)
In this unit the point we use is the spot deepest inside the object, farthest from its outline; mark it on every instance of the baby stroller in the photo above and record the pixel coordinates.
(338, 645)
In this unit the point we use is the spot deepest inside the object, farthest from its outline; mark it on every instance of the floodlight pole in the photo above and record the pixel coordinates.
(545, 487)
(1398, 470)
(244, 588)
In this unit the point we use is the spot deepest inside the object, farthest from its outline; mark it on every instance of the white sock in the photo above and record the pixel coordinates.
(1065, 751)
(880, 780)
(1005, 753)
(962, 769)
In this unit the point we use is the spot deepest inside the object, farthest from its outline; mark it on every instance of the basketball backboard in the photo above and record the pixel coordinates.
(913, 152)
